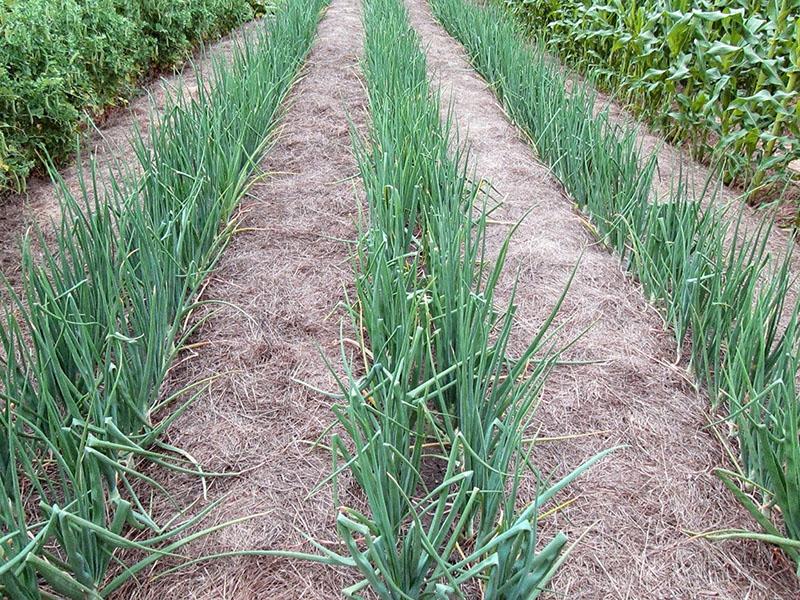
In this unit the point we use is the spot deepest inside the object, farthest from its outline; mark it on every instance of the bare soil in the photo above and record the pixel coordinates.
(285, 276)
(638, 505)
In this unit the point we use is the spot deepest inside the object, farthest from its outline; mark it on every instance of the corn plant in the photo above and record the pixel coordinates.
(716, 283)
(88, 339)
(717, 75)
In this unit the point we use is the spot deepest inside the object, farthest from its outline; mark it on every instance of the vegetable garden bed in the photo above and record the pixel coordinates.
(170, 410)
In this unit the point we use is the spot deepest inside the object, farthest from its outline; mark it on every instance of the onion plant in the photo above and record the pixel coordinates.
(432, 414)
(722, 291)
(101, 314)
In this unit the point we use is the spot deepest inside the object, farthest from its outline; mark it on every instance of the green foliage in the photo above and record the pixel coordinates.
(715, 283)
(172, 27)
(61, 60)
(717, 75)
(88, 340)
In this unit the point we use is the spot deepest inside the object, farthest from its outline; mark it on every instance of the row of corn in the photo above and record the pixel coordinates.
(101, 313)
(433, 407)
(725, 296)
(720, 76)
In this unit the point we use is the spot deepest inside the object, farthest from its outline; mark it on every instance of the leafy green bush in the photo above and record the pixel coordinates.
(173, 26)
(62, 59)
